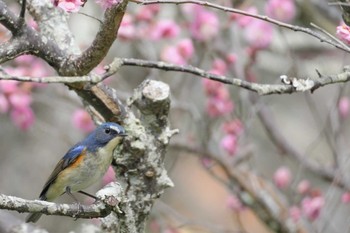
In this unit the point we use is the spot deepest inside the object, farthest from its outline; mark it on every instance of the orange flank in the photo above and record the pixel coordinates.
(78, 160)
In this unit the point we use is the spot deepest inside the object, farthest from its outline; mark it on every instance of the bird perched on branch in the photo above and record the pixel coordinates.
(84, 164)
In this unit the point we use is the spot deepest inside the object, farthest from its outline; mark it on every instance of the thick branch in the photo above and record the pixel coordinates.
(101, 44)
(9, 19)
(261, 17)
(11, 49)
(140, 169)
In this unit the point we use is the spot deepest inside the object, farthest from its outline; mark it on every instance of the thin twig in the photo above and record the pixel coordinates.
(92, 78)
(261, 89)
(261, 17)
(328, 34)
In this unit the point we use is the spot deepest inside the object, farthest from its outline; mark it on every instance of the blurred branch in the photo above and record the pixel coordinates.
(293, 85)
(254, 192)
(346, 11)
(286, 147)
(241, 12)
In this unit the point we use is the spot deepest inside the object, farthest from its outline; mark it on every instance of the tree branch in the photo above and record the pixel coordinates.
(9, 19)
(109, 196)
(261, 89)
(140, 169)
(285, 146)
(253, 191)
(92, 78)
(104, 39)
(20, 205)
(261, 17)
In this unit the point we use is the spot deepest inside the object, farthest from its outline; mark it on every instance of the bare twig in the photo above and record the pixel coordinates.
(261, 89)
(328, 34)
(92, 78)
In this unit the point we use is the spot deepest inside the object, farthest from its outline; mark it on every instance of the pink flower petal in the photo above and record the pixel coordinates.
(82, 121)
(282, 177)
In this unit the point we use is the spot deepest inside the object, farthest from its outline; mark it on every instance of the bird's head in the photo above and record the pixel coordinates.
(108, 133)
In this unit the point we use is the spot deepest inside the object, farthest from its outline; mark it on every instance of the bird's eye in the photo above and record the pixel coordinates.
(107, 131)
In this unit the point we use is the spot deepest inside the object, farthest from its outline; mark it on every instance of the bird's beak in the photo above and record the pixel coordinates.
(123, 135)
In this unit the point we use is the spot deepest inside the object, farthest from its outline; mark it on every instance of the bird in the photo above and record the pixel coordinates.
(84, 164)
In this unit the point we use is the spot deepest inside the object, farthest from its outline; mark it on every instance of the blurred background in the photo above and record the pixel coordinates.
(225, 131)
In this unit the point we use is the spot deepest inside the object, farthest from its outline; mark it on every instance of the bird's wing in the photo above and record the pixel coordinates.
(68, 159)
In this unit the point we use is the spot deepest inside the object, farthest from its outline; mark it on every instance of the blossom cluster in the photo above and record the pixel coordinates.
(311, 199)
(75, 5)
(16, 97)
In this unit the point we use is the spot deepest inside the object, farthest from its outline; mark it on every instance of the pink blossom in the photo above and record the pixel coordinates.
(37, 69)
(211, 86)
(231, 58)
(233, 127)
(4, 104)
(185, 48)
(147, 13)
(220, 66)
(344, 107)
(179, 53)
(243, 20)
(16, 71)
(258, 34)
(205, 24)
(311, 207)
(8, 86)
(105, 4)
(171, 54)
(295, 213)
(25, 59)
(283, 10)
(23, 118)
(282, 177)
(109, 176)
(127, 29)
(33, 24)
(222, 94)
(345, 198)
(69, 5)
(234, 203)
(207, 162)
(219, 107)
(303, 187)
(82, 120)
(343, 33)
(20, 100)
(164, 29)
(229, 144)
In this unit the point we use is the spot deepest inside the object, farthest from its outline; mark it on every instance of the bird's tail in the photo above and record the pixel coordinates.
(33, 217)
